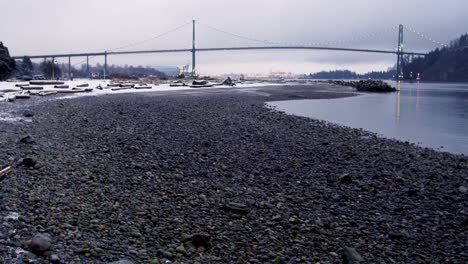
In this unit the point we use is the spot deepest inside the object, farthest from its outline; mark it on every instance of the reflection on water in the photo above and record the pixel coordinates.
(432, 115)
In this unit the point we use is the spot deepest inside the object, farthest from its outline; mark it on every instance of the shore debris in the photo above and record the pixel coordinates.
(61, 86)
(27, 88)
(143, 87)
(178, 83)
(201, 84)
(4, 172)
(23, 96)
(46, 82)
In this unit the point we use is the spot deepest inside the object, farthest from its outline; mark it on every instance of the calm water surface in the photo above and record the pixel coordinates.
(429, 114)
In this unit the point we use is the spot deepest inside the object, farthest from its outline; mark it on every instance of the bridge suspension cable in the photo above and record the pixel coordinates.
(134, 44)
(311, 44)
(426, 37)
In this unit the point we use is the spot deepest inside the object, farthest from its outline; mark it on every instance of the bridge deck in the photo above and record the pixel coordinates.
(217, 49)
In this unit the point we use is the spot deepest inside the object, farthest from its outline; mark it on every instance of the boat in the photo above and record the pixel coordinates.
(61, 86)
(82, 85)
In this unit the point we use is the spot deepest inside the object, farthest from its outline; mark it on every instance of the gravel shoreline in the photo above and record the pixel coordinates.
(216, 177)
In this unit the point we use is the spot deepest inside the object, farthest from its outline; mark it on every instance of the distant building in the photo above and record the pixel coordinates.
(284, 75)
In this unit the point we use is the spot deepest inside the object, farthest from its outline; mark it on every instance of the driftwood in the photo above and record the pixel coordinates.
(143, 87)
(121, 88)
(47, 93)
(32, 88)
(9, 90)
(61, 86)
(4, 172)
(46, 82)
(23, 96)
(127, 85)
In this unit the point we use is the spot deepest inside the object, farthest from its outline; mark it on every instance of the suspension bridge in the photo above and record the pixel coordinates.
(399, 51)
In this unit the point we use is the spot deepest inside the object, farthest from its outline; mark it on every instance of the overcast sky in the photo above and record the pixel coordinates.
(61, 26)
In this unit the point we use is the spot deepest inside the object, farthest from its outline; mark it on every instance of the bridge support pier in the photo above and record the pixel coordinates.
(193, 50)
(105, 65)
(399, 69)
(53, 68)
(87, 66)
(69, 68)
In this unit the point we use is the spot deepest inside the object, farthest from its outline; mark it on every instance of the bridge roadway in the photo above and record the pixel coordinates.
(218, 49)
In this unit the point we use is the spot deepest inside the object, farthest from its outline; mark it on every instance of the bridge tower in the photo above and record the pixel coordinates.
(193, 49)
(399, 74)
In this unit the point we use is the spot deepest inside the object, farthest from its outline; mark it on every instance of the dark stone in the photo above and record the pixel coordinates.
(27, 140)
(201, 239)
(236, 208)
(40, 244)
(28, 113)
(346, 178)
(29, 162)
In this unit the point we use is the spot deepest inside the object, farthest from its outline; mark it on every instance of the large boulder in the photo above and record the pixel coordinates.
(7, 64)
(373, 86)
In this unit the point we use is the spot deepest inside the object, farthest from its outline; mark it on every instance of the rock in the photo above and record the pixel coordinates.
(181, 249)
(396, 236)
(29, 162)
(462, 189)
(40, 244)
(27, 140)
(28, 113)
(351, 256)
(201, 240)
(122, 261)
(54, 259)
(235, 208)
(346, 178)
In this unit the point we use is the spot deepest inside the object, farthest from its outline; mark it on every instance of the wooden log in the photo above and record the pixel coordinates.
(21, 84)
(143, 87)
(121, 88)
(48, 93)
(4, 172)
(27, 88)
(23, 96)
(127, 85)
(61, 86)
(46, 82)
(9, 90)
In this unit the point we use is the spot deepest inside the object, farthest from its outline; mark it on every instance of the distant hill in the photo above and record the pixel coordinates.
(449, 64)
(349, 75)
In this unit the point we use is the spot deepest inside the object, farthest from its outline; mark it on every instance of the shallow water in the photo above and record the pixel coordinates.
(429, 114)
